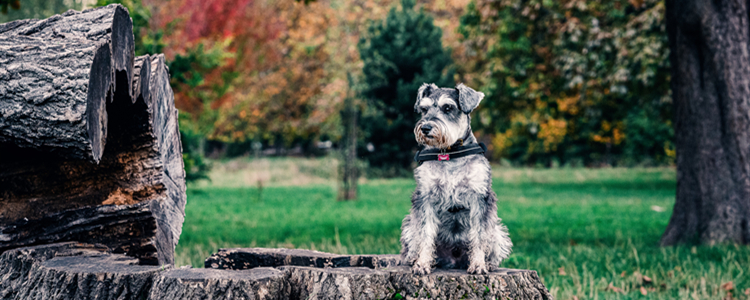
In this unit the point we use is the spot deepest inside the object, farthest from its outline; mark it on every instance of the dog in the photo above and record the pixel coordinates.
(453, 220)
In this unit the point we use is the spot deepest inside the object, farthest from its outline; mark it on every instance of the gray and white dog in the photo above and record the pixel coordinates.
(453, 221)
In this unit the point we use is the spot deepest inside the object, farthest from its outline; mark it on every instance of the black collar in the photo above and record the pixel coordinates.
(451, 153)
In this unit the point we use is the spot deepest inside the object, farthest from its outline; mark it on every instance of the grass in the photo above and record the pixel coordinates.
(590, 233)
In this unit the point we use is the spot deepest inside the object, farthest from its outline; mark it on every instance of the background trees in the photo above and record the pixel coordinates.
(577, 82)
(568, 82)
(399, 54)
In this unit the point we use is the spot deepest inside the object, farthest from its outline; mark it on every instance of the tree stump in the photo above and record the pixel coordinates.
(89, 142)
(72, 271)
(83, 271)
(318, 275)
(260, 284)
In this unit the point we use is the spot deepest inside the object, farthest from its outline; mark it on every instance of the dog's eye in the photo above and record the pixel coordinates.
(447, 108)
(424, 110)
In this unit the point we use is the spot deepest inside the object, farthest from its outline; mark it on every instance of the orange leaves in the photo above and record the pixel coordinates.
(568, 104)
(552, 133)
(610, 134)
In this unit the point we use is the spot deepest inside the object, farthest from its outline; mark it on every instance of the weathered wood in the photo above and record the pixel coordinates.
(57, 74)
(339, 283)
(81, 271)
(365, 283)
(457, 284)
(248, 258)
(128, 229)
(710, 84)
(142, 163)
(72, 271)
(256, 284)
(42, 193)
(168, 210)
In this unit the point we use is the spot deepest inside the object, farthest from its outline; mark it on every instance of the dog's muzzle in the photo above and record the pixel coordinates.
(426, 128)
(431, 134)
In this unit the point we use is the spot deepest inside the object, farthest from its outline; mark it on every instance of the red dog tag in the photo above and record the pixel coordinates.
(444, 157)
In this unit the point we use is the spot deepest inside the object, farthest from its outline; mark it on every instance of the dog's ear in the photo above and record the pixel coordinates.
(468, 98)
(424, 91)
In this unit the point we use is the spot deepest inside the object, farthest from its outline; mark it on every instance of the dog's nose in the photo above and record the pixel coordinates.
(426, 128)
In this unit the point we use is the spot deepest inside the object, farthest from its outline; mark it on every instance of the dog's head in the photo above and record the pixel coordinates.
(445, 114)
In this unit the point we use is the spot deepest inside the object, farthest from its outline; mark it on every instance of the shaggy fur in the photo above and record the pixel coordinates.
(453, 221)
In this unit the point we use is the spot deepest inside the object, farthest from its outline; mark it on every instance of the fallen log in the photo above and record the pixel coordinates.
(58, 73)
(131, 196)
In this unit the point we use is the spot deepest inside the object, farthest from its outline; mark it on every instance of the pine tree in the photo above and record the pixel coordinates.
(399, 54)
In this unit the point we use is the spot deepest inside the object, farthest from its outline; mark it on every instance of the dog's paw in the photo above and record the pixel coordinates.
(477, 269)
(420, 270)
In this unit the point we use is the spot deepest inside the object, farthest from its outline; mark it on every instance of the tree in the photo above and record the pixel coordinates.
(570, 80)
(399, 54)
(711, 92)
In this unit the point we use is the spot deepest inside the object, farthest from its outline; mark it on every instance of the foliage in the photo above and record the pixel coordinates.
(571, 80)
(399, 53)
(196, 166)
(262, 72)
(4, 4)
(581, 229)
(147, 40)
(34, 9)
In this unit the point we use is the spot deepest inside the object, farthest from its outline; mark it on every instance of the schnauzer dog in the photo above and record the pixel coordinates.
(453, 221)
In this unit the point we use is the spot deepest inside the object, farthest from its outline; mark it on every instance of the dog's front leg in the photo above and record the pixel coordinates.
(477, 263)
(428, 225)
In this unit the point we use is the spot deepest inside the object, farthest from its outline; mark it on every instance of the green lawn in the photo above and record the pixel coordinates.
(590, 233)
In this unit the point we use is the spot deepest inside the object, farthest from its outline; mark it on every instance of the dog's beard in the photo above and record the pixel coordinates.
(440, 137)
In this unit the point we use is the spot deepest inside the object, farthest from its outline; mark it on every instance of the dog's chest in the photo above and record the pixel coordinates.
(456, 182)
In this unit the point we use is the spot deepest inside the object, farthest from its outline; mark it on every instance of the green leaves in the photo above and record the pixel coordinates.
(399, 54)
(565, 80)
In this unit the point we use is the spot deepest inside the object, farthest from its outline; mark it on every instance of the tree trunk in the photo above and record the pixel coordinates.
(709, 43)
(56, 75)
(348, 169)
(132, 197)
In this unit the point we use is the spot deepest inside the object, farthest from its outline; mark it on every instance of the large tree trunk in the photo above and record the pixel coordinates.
(56, 74)
(709, 43)
(53, 185)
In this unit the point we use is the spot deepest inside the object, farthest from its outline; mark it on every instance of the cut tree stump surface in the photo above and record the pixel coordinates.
(83, 271)
(248, 258)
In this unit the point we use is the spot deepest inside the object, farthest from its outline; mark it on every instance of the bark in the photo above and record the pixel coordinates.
(339, 283)
(132, 197)
(72, 271)
(128, 229)
(710, 90)
(56, 76)
(255, 284)
(457, 284)
(83, 271)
